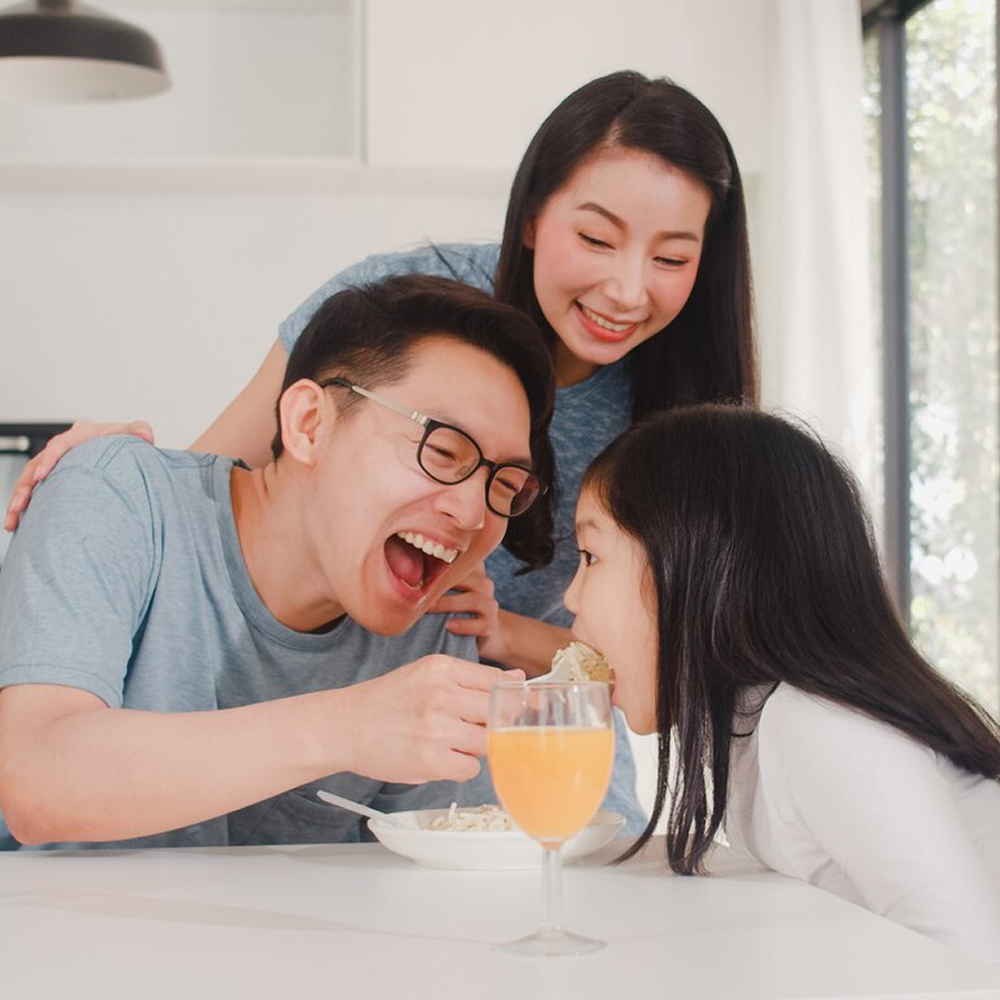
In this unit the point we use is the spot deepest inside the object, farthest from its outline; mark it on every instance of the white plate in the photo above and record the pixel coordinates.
(483, 850)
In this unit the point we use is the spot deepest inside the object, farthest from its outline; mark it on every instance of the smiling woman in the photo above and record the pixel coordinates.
(616, 254)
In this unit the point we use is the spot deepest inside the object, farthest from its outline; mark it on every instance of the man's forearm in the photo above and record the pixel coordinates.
(73, 769)
(112, 774)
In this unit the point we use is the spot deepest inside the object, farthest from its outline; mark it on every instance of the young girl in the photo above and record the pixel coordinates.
(626, 242)
(728, 572)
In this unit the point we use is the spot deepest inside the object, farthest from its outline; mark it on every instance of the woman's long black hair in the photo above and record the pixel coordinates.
(707, 353)
(765, 570)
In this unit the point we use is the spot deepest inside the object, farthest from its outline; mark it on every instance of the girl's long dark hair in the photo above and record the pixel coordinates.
(765, 570)
(708, 352)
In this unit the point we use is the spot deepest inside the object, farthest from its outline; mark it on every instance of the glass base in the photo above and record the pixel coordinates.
(551, 943)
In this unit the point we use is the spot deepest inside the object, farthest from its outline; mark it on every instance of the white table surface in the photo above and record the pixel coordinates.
(356, 921)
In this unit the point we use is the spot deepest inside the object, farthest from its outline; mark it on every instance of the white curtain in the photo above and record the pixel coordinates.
(819, 357)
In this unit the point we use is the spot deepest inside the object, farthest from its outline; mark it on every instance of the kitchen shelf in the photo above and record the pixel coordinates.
(248, 175)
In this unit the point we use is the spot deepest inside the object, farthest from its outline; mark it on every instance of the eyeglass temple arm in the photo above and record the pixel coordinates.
(416, 415)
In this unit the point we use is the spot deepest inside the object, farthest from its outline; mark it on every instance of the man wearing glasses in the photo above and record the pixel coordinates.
(190, 649)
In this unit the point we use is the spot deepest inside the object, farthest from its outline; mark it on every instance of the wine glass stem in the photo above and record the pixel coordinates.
(552, 892)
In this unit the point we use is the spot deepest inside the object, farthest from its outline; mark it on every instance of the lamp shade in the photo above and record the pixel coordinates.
(59, 51)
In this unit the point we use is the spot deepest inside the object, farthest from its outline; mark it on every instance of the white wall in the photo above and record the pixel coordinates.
(133, 283)
(124, 306)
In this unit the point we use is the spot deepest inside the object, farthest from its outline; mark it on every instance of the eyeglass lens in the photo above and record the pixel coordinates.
(450, 456)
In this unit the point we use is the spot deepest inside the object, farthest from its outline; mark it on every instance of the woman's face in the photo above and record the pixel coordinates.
(617, 250)
(612, 599)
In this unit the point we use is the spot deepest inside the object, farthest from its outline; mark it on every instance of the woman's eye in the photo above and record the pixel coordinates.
(587, 558)
(670, 261)
(594, 242)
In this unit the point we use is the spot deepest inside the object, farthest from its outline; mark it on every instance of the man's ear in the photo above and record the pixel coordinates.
(304, 407)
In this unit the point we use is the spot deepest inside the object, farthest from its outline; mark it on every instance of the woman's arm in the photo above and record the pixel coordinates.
(244, 430)
(530, 643)
(247, 425)
(503, 637)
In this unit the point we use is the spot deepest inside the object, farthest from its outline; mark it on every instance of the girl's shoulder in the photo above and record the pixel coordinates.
(793, 714)
(797, 729)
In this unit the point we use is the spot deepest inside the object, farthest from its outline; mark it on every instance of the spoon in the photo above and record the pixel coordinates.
(357, 807)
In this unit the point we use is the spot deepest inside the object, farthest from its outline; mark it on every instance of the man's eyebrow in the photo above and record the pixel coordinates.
(593, 206)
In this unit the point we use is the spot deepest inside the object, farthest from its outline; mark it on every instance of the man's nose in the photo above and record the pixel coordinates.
(466, 501)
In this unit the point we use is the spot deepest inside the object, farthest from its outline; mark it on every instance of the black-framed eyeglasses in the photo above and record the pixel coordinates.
(450, 456)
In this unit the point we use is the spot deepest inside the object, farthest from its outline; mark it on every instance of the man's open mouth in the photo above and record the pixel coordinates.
(416, 560)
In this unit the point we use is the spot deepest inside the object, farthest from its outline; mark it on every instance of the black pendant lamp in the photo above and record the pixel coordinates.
(60, 50)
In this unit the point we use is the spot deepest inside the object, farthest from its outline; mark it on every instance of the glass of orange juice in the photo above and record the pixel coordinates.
(550, 749)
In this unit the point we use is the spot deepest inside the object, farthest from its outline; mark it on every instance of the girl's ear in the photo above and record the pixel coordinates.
(304, 407)
(528, 239)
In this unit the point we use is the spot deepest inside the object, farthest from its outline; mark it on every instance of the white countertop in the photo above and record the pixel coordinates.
(357, 921)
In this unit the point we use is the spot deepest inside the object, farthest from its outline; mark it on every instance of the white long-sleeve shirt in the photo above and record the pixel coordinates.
(831, 796)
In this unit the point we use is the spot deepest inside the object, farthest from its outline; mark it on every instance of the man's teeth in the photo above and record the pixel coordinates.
(606, 323)
(435, 549)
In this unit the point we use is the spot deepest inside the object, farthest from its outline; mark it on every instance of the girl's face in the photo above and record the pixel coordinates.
(617, 250)
(612, 599)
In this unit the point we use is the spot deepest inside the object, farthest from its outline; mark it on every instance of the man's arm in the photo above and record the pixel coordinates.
(73, 769)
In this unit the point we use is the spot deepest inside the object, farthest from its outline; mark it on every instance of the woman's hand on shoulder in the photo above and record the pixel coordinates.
(45, 461)
(502, 636)
(473, 598)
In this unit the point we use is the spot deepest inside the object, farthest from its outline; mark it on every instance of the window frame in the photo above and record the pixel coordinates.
(888, 18)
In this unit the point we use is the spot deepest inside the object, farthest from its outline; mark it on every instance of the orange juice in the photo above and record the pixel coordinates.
(551, 779)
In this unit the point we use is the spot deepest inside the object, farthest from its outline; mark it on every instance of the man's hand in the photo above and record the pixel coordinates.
(425, 721)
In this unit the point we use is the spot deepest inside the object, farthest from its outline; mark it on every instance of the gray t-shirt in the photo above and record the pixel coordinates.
(587, 417)
(126, 579)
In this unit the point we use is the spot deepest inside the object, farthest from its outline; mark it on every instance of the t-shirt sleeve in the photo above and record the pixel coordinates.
(74, 585)
(879, 804)
(472, 263)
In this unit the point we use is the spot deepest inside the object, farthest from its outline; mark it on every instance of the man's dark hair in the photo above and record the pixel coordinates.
(368, 334)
